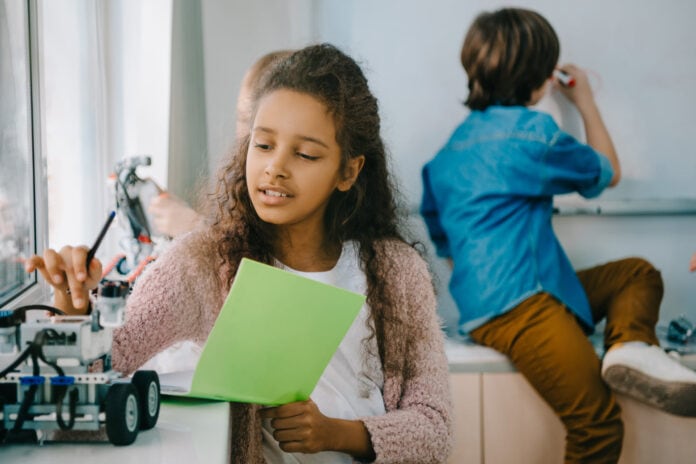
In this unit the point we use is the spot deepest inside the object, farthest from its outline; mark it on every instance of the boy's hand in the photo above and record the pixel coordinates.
(66, 272)
(579, 93)
(692, 264)
(595, 130)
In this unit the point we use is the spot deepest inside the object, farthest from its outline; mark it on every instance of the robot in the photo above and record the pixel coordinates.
(132, 195)
(47, 377)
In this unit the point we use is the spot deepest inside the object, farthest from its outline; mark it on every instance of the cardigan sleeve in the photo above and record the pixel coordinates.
(175, 299)
(417, 427)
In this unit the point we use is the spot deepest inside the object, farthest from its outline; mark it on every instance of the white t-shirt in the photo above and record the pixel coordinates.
(351, 386)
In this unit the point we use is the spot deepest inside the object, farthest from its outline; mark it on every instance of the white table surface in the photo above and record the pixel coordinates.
(187, 431)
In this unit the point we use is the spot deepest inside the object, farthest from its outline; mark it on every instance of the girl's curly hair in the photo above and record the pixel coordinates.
(367, 213)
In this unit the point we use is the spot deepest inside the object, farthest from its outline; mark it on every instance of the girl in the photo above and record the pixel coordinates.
(308, 190)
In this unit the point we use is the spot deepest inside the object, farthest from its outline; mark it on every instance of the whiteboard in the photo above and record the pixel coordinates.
(640, 56)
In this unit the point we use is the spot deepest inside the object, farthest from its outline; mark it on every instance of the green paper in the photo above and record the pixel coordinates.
(273, 338)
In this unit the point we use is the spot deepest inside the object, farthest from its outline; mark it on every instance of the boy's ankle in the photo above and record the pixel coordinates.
(648, 374)
(631, 343)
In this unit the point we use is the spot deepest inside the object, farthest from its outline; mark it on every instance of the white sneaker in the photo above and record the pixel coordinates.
(648, 374)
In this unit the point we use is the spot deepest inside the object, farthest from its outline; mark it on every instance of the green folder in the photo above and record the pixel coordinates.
(274, 336)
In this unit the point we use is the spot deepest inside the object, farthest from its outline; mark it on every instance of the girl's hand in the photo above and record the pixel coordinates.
(66, 272)
(301, 428)
(692, 264)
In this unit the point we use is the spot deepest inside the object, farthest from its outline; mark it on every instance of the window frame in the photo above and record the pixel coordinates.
(36, 291)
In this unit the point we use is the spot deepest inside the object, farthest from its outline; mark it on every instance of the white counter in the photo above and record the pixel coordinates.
(465, 356)
(188, 431)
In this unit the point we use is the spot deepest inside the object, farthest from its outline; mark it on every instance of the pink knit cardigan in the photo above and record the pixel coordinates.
(180, 295)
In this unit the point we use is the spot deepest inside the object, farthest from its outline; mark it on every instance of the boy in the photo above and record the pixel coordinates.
(488, 206)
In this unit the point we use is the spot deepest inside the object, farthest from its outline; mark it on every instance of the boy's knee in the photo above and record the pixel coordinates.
(640, 267)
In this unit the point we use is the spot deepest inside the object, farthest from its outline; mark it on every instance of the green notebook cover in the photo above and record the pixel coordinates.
(273, 338)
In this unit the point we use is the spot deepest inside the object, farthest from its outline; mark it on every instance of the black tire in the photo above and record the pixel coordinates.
(148, 386)
(122, 410)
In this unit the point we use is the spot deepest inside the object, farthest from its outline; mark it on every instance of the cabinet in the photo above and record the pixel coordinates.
(500, 419)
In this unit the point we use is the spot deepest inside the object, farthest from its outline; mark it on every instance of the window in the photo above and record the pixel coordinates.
(22, 180)
(105, 88)
(103, 72)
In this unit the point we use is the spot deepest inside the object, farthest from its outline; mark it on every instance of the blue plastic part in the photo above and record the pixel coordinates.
(63, 380)
(8, 318)
(32, 380)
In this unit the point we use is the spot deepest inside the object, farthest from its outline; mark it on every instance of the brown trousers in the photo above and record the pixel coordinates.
(546, 343)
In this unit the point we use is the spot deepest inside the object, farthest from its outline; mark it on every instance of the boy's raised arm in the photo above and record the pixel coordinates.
(596, 131)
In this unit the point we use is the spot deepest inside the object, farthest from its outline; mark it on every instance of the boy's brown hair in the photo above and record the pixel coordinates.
(507, 54)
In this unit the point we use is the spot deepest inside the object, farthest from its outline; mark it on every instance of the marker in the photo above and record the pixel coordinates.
(564, 78)
(93, 250)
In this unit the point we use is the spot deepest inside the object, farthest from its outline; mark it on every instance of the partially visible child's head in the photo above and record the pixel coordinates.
(367, 210)
(250, 83)
(507, 55)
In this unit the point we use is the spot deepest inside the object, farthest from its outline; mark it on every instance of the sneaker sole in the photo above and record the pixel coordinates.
(678, 398)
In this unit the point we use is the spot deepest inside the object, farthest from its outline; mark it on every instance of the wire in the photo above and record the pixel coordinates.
(52, 309)
(39, 341)
(61, 390)
(29, 394)
(23, 413)
(59, 408)
(35, 350)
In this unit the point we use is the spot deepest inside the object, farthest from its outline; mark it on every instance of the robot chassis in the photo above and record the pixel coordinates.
(46, 378)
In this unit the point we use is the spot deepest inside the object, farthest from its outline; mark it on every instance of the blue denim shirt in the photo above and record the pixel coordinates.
(487, 202)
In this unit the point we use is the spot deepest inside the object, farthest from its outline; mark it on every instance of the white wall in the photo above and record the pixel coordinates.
(410, 52)
(410, 49)
(235, 34)
(638, 56)
(666, 241)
